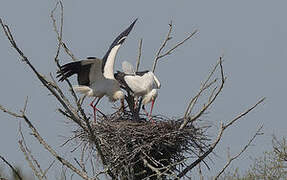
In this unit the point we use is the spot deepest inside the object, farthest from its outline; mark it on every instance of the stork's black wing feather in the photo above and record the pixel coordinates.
(72, 68)
(118, 41)
(141, 73)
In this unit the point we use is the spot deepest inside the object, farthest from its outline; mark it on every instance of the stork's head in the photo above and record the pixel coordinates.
(149, 97)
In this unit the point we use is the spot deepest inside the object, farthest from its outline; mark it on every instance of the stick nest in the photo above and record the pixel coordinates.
(137, 150)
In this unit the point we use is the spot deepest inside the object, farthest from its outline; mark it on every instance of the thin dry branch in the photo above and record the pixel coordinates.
(139, 54)
(11, 167)
(168, 52)
(69, 109)
(211, 98)
(167, 38)
(60, 44)
(48, 84)
(60, 34)
(258, 132)
(35, 171)
(28, 154)
(46, 146)
(9, 112)
(159, 53)
(204, 87)
(52, 151)
(219, 136)
(46, 170)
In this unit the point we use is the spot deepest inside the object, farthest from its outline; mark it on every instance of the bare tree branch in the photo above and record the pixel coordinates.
(60, 34)
(11, 167)
(36, 172)
(162, 46)
(28, 154)
(222, 128)
(139, 54)
(211, 99)
(168, 52)
(47, 147)
(204, 87)
(70, 109)
(9, 112)
(50, 86)
(258, 132)
(52, 151)
(160, 55)
(60, 43)
(46, 170)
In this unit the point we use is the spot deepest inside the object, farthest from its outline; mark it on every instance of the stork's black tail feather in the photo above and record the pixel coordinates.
(68, 70)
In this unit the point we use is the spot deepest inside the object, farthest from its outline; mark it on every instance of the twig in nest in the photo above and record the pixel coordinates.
(126, 144)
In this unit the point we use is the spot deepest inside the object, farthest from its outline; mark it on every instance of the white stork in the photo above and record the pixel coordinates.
(96, 76)
(144, 84)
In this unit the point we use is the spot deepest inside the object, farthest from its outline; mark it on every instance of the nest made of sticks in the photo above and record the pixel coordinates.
(137, 150)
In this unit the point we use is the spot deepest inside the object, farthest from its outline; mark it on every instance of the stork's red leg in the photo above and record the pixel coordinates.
(151, 108)
(94, 108)
(149, 116)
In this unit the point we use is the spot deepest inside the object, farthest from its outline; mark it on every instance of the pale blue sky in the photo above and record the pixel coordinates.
(252, 35)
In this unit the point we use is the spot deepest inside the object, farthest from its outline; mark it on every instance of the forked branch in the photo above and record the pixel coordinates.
(258, 132)
(206, 85)
(168, 37)
(219, 136)
(46, 146)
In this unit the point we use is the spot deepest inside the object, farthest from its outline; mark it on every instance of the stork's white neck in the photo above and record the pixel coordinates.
(109, 66)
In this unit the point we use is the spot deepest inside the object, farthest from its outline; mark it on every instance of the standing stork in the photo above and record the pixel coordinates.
(96, 76)
(144, 84)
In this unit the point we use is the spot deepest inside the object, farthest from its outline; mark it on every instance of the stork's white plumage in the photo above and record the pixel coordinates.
(144, 84)
(96, 76)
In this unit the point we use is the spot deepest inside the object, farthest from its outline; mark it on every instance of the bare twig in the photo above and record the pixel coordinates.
(196, 162)
(162, 46)
(39, 176)
(60, 34)
(52, 151)
(152, 168)
(9, 112)
(28, 153)
(67, 106)
(60, 43)
(204, 86)
(139, 54)
(168, 52)
(12, 168)
(70, 109)
(244, 113)
(211, 99)
(47, 147)
(160, 55)
(46, 170)
(258, 132)
(222, 128)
